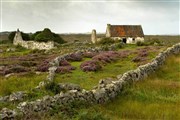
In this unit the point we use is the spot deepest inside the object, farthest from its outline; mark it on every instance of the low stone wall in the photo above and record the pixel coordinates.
(35, 45)
(106, 89)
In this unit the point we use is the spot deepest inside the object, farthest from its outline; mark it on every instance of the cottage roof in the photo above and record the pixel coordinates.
(126, 31)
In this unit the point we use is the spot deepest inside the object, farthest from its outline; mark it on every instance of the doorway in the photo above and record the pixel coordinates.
(124, 40)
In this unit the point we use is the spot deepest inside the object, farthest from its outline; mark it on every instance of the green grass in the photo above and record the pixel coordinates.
(156, 97)
(19, 82)
(88, 80)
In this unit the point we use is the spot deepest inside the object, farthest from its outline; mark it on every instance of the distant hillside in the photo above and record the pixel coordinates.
(79, 37)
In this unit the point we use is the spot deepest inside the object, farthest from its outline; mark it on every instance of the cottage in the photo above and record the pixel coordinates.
(126, 33)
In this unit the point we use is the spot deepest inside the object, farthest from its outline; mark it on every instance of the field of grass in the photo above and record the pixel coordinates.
(156, 97)
(88, 80)
(20, 82)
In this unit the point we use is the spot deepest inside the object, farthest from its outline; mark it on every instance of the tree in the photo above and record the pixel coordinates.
(34, 35)
(11, 36)
(46, 35)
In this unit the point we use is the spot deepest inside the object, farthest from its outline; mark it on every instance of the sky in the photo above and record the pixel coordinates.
(81, 16)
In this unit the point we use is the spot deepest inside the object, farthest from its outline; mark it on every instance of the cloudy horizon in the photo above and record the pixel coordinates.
(156, 17)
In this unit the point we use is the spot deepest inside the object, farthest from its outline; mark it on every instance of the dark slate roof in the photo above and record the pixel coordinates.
(126, 31)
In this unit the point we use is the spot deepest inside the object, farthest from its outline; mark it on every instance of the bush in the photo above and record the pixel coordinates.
(64, 63)
(25, 36)
(19, 48)
(139, 43)
(106, 57)
(46, 35)
(91, 65)
(74, 57)
(34, 35)
(15, 69)
(65, 69)
(28, 63)
(106, 40)
(43, 67)
(139, 59)
(53, 87)
(143, 53)
(119, 45)
(89, 54)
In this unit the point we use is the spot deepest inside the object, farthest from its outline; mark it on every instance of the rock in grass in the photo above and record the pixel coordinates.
(7, 114)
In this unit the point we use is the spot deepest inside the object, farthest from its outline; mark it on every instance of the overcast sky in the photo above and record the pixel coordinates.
(80, 16)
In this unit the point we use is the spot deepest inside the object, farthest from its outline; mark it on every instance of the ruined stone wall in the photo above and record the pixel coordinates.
(32, 44)
(104, 91)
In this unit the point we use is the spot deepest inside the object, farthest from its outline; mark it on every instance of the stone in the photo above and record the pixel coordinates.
(17, 96)
(93, 36)
(119, 76)
(10, 50)
(8, 75)
(6, 114)
(38, 73)
(69, 86)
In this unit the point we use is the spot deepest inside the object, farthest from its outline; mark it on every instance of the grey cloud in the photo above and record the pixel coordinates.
(155, 17)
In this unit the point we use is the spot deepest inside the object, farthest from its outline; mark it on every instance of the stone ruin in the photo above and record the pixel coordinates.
(18, 40)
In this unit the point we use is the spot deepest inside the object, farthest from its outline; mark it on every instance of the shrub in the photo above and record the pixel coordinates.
(139, 43)
(106, 40)
(53, 87)
(123, 54)
(119, 45)
(43, 67)
(20, 48)
(15, 69)
(46, 35)
(32, 36)
(89, 54)
(64, 63)
(105, 47)
(74, 57)
(139, 59)
(91, 65)
(28, 63)
(143, 53)
(65, 69)
(106, 57)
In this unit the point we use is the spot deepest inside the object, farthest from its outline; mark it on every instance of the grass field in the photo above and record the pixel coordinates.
(156, 97)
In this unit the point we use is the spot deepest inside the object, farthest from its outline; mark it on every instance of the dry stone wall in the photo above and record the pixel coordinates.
(104, 91)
